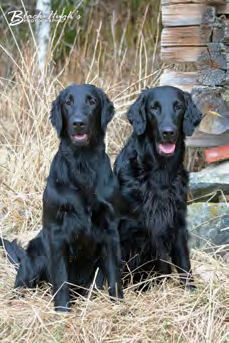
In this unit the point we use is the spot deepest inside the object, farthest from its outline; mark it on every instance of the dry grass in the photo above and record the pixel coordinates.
(167, 313)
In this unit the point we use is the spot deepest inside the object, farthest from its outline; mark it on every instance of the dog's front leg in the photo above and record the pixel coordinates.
(180, 255)
(162, 254)
(111, 261)
(58, 267)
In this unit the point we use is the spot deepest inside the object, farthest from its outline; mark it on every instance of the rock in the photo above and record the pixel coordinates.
(208, 224)
(210, 179)
(215, 173)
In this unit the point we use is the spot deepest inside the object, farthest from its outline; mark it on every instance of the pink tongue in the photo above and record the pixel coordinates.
(80, 137)
(167, 148)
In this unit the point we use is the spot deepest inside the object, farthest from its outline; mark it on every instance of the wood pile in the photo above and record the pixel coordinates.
(197, 32)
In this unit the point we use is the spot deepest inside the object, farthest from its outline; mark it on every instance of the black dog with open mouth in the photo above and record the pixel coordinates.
(81, 124)
(79, 231)
(154, 183)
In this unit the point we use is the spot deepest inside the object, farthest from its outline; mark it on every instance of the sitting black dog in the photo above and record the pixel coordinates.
(154, 183)
(79, 231)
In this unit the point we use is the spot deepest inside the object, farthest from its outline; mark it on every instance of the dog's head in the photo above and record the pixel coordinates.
(81, 113)
(166, 114)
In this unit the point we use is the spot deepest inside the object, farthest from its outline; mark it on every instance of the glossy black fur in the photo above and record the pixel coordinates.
(79, 222)
(153, 231)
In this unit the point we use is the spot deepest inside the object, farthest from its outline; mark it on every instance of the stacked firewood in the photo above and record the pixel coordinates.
(197, 32)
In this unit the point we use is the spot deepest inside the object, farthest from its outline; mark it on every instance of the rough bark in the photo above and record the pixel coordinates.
(215, 108)
(219, 30)
(43, 32)
(206, 25)
(212, 65)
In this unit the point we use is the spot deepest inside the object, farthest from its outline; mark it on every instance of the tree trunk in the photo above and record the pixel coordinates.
(43, 32)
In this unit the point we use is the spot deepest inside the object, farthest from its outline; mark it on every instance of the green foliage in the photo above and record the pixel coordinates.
(65, 8)
(92, 12)
(127, 25)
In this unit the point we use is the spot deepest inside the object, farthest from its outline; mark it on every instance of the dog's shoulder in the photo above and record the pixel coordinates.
(106, 185)
(58, 170)
(126, 155)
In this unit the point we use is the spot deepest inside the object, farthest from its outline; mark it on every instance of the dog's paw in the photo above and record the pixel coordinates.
(62, 309)
(190, 288)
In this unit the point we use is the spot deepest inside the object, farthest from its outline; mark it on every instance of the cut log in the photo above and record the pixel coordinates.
(212, 123)
(180, 54)
(214, 29)
(214, 107)
(223, 9)
(183, 80)
(217, 154)
(171, 76)
(206, 26)
(182, 36)
(205, 140)
(183, 14)
(227, 58)
(226, 34)
(212, 65)
(219, 30)
(207, 2)
(209, 15)
(226, 81)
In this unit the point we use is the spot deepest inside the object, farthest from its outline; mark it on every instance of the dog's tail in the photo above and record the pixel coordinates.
(13, 251)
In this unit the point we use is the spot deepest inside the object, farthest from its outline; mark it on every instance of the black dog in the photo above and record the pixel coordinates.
(154, 183)
(79, 231)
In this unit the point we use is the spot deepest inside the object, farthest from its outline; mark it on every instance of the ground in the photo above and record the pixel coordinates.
(166, 313)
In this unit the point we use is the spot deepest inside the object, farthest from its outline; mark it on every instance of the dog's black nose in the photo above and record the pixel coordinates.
(78, 124)
(168, 133)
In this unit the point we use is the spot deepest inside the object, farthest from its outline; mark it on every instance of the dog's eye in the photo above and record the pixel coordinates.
(92, 102)
(68, 102)
(177, 107)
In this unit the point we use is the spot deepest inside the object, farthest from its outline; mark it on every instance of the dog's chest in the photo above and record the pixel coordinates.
(83, 246)
(158, 196)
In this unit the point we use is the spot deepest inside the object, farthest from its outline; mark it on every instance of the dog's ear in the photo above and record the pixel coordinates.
(192, 115)
(56, 115)
(137, 115)
(108, 110)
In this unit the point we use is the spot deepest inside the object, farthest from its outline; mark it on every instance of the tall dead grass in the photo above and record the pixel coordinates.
(28, 143)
